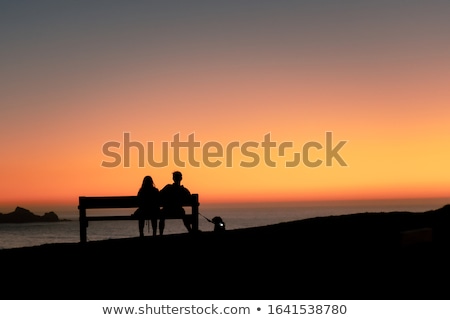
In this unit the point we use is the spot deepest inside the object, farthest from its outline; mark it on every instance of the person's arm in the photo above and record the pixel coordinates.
(186, 194)
(163, 195)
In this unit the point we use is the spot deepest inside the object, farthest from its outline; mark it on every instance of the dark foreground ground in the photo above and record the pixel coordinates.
(395, 255)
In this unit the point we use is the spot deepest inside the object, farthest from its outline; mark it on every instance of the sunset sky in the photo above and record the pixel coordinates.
(75, 75)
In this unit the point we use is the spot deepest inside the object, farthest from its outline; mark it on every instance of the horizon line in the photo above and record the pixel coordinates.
(48, 207)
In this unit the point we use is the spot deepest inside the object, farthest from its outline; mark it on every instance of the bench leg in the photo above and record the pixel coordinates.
(83, 226)
(195, 212)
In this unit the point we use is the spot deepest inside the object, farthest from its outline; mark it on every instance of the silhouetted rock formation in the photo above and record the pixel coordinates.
(21, 215)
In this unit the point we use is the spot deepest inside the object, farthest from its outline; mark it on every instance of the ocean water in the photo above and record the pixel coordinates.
(235, 217)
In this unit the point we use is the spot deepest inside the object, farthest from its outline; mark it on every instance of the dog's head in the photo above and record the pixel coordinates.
(217, 220)
(219, 225)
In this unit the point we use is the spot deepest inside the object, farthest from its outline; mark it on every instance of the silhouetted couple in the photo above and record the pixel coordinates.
(171, 198)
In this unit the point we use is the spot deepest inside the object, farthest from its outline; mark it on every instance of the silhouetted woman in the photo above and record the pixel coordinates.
(148, 197)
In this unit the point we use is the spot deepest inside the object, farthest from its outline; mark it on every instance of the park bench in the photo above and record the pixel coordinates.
(117, 202)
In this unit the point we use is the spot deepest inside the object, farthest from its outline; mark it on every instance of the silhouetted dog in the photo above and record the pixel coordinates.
(219, 225)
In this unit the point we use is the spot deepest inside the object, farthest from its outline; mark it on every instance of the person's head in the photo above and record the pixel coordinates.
(177, 176)
(147, 182)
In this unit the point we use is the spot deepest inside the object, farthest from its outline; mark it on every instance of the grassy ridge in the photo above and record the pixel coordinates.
(394, 255)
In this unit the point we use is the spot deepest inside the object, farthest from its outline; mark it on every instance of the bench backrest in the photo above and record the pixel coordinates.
(108, 202)
(118, 202)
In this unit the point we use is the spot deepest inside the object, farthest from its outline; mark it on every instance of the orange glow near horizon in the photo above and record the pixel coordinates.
(381, 88)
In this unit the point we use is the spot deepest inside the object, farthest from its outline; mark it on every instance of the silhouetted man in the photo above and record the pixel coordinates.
(173, 196)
